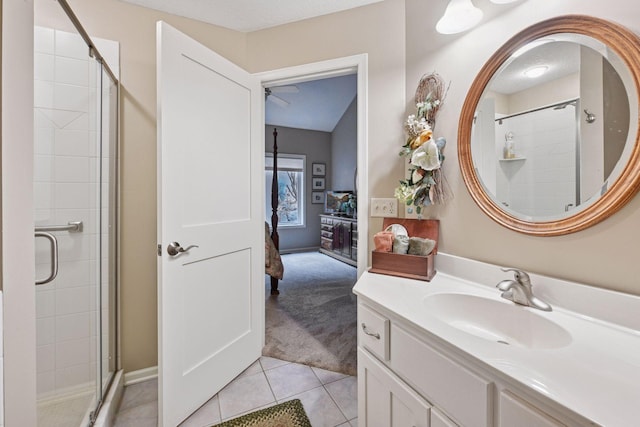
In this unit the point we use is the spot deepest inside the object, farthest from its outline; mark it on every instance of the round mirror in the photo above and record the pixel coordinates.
(548, 134)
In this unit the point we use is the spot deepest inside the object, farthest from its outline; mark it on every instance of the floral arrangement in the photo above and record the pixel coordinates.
(425, 184)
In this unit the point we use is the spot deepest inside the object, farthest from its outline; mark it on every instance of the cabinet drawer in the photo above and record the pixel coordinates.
(373, 332)
(462, 394)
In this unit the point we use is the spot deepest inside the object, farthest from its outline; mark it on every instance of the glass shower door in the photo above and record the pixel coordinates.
(75, 155)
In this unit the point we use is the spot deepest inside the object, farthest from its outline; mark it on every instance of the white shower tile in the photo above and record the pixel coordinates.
(73, 274)
(71, 169)
(72, 353)
(43, 137)
(43, 168)
(79, 123)
(43, 216)
(43, 94)
(43, 195)
(70, 98)
(73, 327)
(72, 300)
(72, 71)
(45, 382)
(74, 247)
(94, 172)
(45, 303)
(72, 142)
(74, 376)
(93, 297)
(71, 195)
(43, 40)
(45, 331)
(45, 358)
(70, 45)
(43, 67)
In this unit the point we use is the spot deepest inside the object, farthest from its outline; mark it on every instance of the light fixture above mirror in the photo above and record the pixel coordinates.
(462, 15)
(459, 16)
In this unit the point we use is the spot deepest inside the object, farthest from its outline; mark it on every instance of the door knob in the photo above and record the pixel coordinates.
(174, 248)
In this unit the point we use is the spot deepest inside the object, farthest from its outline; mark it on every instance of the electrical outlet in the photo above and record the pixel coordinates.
(384, 207)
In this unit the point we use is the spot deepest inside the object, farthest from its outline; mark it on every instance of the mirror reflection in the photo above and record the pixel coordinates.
(552, 129)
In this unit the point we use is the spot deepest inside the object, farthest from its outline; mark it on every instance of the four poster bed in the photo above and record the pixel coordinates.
(273, 262)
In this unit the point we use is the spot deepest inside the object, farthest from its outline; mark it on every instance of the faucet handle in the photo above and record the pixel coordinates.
(519, 275)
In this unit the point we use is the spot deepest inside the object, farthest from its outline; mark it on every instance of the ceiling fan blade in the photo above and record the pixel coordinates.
(285, 89)
(277, 100)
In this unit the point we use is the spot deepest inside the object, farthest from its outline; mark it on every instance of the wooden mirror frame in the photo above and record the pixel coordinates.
(626, 45)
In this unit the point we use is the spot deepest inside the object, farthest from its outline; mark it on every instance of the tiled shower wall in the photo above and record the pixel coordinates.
(66, 187)
(544, 183)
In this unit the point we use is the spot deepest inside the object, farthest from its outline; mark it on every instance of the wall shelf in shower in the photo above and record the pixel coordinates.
(515, 159)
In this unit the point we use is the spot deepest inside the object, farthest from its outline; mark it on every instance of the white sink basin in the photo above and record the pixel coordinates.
(494, 320)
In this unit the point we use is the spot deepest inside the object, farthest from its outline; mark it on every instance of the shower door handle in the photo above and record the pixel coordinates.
(174, 248)
(54, 256)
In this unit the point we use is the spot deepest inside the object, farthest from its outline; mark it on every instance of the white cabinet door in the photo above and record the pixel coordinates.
(384, 400)
(438, 419)
(516, 412)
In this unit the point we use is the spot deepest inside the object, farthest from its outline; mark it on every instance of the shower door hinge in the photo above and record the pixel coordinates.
(159, 249)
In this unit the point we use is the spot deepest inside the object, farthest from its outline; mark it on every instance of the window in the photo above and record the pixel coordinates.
(290, 189)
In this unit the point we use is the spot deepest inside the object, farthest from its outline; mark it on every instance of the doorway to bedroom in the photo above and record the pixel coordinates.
(311, 318)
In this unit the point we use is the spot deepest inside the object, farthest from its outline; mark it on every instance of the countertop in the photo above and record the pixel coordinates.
(596, 374)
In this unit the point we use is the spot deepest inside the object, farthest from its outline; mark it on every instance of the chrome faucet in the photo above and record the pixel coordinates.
(519, 290)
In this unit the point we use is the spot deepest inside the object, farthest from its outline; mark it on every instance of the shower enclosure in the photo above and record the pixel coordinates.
(75, 190)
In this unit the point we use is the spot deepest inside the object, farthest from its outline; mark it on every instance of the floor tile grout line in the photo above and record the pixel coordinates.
(336, 403)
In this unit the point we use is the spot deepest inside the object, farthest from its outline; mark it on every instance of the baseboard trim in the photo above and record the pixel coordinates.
(298, 250)
(140, 375)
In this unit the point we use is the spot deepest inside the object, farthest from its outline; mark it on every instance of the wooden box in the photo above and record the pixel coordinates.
(404, 265)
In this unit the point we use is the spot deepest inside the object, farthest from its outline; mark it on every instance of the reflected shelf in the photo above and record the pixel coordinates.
(515, 159)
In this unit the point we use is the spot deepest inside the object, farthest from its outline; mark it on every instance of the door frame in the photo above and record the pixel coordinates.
(18, 354)
(355, 64)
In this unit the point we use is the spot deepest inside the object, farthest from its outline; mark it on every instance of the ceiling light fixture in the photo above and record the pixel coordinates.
(536, 71)
(459, 16)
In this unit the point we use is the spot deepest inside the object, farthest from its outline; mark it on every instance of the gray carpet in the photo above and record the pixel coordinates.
(313, 320)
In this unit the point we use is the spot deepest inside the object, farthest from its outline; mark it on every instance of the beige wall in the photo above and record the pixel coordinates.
(135, 29)
(377, 30)
(603, 255)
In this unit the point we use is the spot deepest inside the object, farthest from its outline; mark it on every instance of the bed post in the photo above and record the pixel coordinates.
(274, 207)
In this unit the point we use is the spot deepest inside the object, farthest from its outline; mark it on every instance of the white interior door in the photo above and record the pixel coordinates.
(210, 179)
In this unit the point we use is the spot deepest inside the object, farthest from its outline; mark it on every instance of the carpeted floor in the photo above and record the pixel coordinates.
(313, 320)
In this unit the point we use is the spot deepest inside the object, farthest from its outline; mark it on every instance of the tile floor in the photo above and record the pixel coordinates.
(329, 398)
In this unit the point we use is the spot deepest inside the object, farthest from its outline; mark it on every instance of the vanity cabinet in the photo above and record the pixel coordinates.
(406, 377)
(339, 238)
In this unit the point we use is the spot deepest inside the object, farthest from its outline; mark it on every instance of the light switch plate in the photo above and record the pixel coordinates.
(384, 207)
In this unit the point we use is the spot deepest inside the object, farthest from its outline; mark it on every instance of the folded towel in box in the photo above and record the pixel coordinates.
(420, 246)
(383, 241)
(401, 244)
